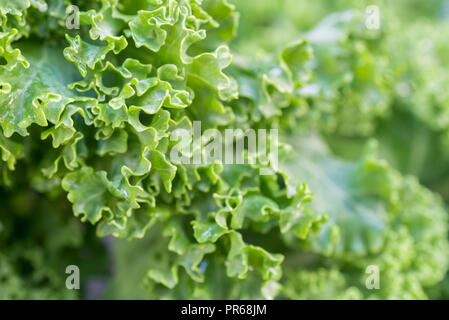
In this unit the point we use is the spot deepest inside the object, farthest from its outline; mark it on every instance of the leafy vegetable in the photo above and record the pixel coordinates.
(87, 118)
